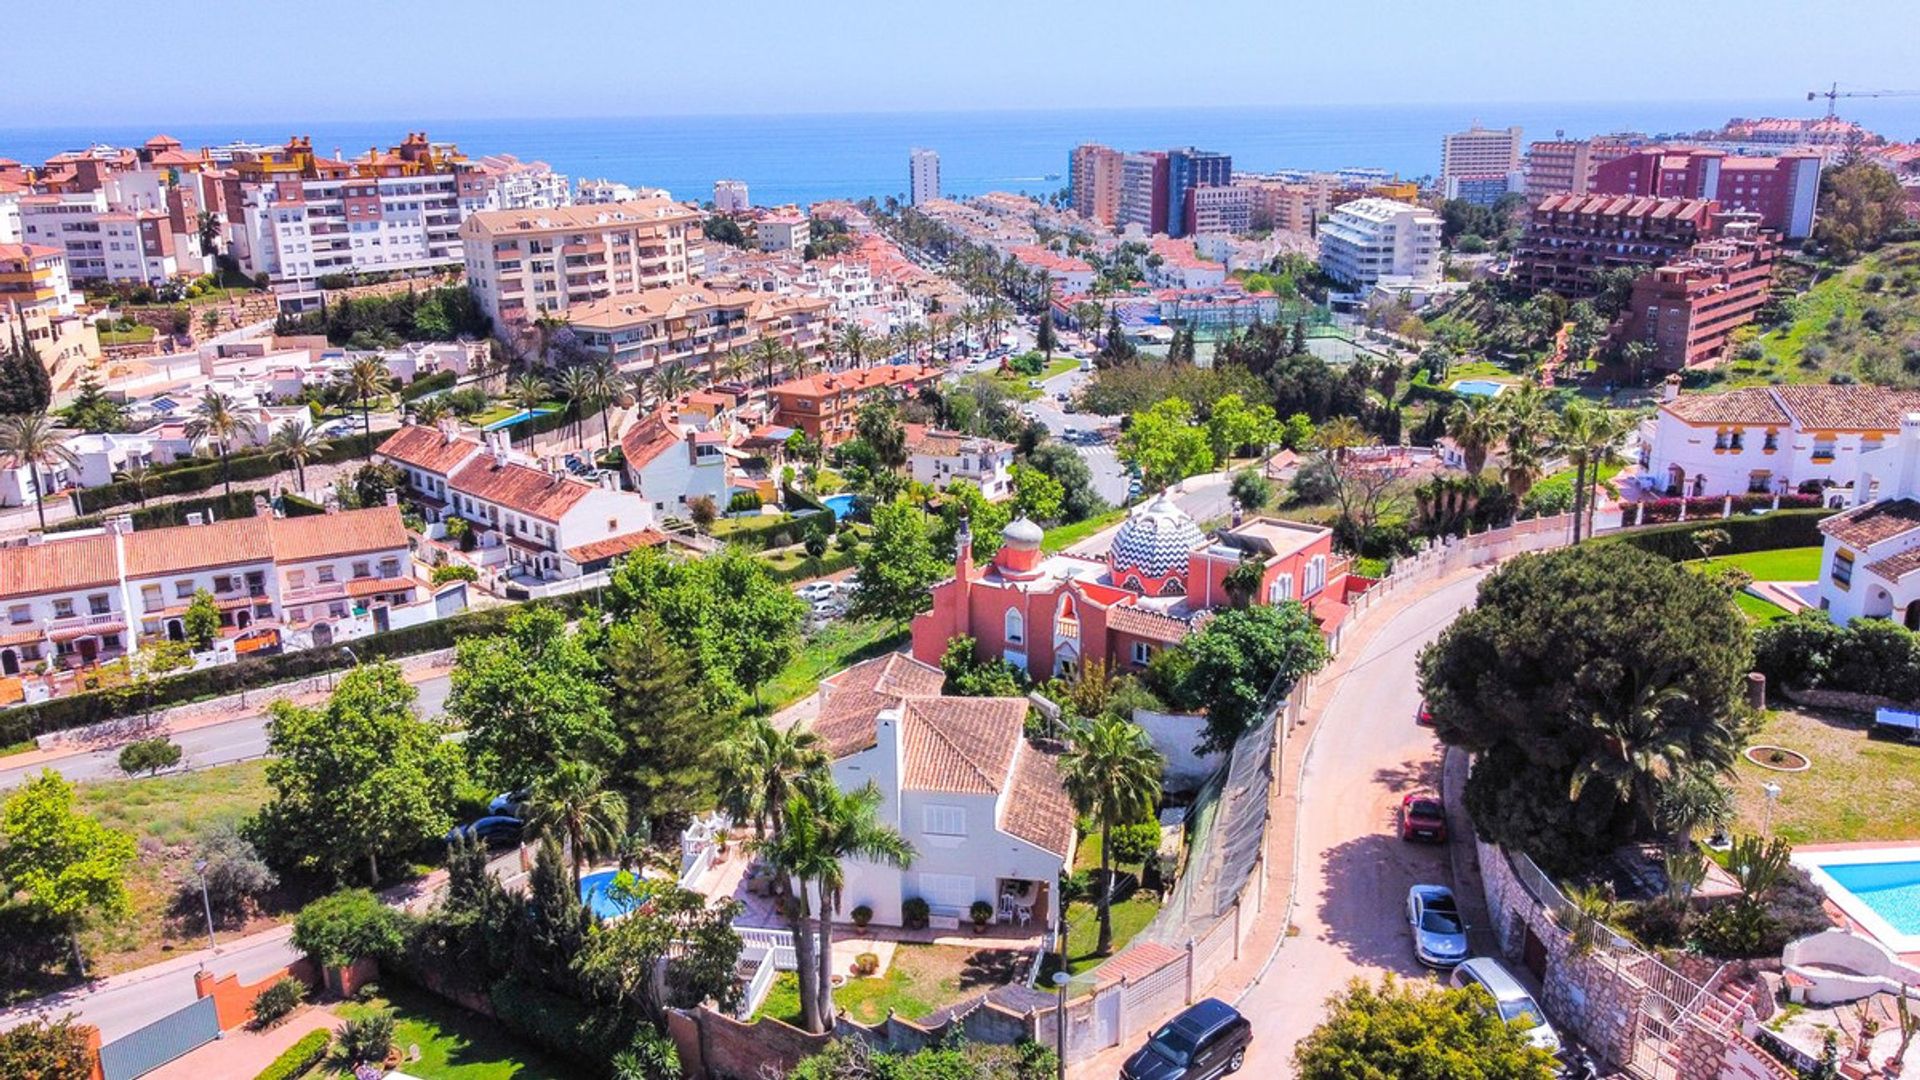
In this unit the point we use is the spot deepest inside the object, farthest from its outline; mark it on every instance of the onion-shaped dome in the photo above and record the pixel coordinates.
(1021, 534)
(1155, 539)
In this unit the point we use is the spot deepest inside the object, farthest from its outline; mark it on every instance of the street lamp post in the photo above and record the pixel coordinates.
(1060, 980)
(1772, 791)
(200, 867)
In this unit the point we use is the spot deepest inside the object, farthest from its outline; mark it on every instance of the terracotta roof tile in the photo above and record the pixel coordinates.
(857, 380)
(1849, 408)
(647, 439)
(1899, 565)
(192, 547)
(1037, 808)
(57, 566)
(350, 532)
(424, 446)
(527, 490)
(851, 699)
(1864, 526)
(960, 744)
(1147, 624)
(1751, 406)
(616, 545)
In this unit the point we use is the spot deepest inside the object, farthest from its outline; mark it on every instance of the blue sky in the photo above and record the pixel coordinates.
(104, 61)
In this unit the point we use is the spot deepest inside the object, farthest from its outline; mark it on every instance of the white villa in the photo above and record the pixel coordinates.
(983, 808)
(938, 458)
(1870, 560)
(1769, 439)
(671, 463)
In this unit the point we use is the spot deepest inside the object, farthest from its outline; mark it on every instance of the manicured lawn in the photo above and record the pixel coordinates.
(137, 335)
(1760, 611)
(837, 645)
(456, 1044)
(1480, 369)
(1015, 384)
(1062, 536)
(1857, 789)
(921, 978)
(166, 814)
(1130, 916)
(1780, 564)
(1564, 480)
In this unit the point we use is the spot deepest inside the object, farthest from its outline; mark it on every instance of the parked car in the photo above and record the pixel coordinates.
(1423, 817)
(1423, 715)
(1209, 1039)
(1439, 934)
(494, 830)
(507, 802)
(814, 590)
(1516, 1006)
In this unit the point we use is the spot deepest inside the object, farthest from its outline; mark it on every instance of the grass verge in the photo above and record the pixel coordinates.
(1858, 788)
(920, 979)
(1062, 536)
(454, 1044)
(835, 646)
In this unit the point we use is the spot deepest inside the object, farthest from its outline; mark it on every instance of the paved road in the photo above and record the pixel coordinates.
(1354, 871)
(217, 744)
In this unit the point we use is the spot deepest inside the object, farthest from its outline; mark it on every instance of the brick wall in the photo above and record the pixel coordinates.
(233, 999)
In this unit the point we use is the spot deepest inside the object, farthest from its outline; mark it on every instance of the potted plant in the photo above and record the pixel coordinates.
(866, 964)
(914, 913)
(862, 915)
(982, 913)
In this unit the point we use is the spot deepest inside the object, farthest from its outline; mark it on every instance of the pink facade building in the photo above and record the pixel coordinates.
(1047, 613)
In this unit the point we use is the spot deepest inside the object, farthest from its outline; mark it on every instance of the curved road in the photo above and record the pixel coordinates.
(1354, 871)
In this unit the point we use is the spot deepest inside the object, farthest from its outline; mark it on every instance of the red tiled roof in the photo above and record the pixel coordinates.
(851, 699)
(191, 547)
(1147, 624)
(1899, 565)
(547, 496)
(960, 744)
(1864, 526)
(57, 566)
(1754, 405)
(857, 380)
(616, 545)
(1037, 808)
(424, 446)
(647, 439)
(349, 532)
(1848, 408)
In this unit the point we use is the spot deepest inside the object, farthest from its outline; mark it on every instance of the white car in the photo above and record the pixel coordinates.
(814, 591)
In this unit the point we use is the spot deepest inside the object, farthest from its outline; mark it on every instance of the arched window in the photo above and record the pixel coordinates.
(1281, 590)
(1316, 575)
(1016, 627)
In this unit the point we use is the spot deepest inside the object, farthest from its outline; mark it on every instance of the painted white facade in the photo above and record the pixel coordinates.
(1870, 559)
(1367, 239)
(940, 458)
(923, 176)
(1769, 440)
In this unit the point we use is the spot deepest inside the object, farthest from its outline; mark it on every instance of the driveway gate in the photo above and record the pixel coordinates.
(140, 1052)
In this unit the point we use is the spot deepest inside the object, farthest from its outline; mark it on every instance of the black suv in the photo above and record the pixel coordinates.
(1208, 1040)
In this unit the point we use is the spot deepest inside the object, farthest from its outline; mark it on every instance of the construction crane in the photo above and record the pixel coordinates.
(1834, 93)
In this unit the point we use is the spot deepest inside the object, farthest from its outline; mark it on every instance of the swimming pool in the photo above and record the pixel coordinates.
(1879, 888)
(1479, 387)
(520, 417)
(593, 893)
(841, 505)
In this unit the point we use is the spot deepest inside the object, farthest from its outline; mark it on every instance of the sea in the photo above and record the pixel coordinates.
(806, 157)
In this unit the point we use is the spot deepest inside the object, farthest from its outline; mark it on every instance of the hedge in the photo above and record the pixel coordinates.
(222, 507)
(294, 506)
(1659, 511)
(427, 384)
(196, 474)
(560, 1025)
(759, 532)
(834, 561)
(1763, 532)
(23, 722)
(295, 1060)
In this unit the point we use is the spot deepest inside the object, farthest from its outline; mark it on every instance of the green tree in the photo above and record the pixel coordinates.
(345, 926)
(1112, 774)
(739, 624)
(1250, 489)
(32, 442)
(1398, 1030)
(217, 418)
(91, 409)
(297, 442)
(201, 620)
(365, 378)
(572, 804)
(669, 949)
(823, 828)
(149, 755)
(1234, 424)
(762, 766)
(898, 568)
(1860, 204)
(1474, 426)
(26, 387)
(357, 780)
(1045, 337)
(230, 866)
(1037, 496)
(528, 699)
(1166, 446)
(1591, 437)
(1078, 499)
(1587, 681)
(58, 861)
(664, 732)
(46, 1050)
(878, 426)
(1245, 660)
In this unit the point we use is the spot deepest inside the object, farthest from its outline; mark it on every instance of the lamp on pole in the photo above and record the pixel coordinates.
(1060, 980)
(1772, 791)
(200, 867)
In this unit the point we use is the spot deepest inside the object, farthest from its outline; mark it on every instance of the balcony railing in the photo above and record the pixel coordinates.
(75, 622)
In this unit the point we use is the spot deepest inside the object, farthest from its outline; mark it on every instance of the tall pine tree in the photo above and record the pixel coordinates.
(25, 387)
(665, 732)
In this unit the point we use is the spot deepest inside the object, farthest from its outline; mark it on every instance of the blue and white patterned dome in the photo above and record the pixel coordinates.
(1155, 540)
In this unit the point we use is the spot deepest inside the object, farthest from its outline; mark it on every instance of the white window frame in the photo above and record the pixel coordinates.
(1016, 627)
(1281, 590)
(943, 819)
(1142, 653)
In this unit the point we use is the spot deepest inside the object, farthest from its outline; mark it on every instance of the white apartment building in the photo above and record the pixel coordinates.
(1771, 439)
(94, 595)
(523, 262)
(524, 185)
(671, 464)
(1221, 211)
(10, 195)
(1480, 151)
(938, 458)
(1870, 556)
(1368, 239)
(783, 233)
(923, 175)
(730, 196)
(594, 192)
(105, 243)
(693, 325)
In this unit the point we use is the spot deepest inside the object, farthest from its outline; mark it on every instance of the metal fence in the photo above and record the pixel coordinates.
(140, 1052)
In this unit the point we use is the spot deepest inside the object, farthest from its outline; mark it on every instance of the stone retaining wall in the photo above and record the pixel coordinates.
(1844, 700)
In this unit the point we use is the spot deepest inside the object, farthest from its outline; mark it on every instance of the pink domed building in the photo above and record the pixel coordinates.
(1047, 612)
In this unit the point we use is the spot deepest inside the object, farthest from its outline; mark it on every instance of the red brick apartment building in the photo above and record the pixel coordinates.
(826, 406)
(1570, 239)
(1686, 309)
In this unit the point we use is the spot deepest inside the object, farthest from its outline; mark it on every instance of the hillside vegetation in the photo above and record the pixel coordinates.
(1860, 323)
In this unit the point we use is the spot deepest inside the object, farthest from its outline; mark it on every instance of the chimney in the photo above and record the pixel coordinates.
(195, 517)
(120, 524)
(693, 453)
(36, 538)
(1670, 389)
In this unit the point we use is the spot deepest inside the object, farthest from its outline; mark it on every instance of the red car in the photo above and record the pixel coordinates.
(1423, 716)
(1422, 817)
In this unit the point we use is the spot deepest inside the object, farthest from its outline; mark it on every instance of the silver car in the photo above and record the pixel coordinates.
(1439, 934)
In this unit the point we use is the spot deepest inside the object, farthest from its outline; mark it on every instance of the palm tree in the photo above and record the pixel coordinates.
(854, 344)
(763, 766)
(1591, 436)
(824, 827)
(135, 475)
(603, 386)
(527, 390)
(736, 365)
(1112, 774)
(431, 411)
(296, 443)
(1474, 426)
(1638, 751)
(33, 442)
(642, 383)
(672, 381)
(366, 378)
(575, 385)
(769, 354)
(911, 335)
(218, 419)
(1528, 424)
(572, 804)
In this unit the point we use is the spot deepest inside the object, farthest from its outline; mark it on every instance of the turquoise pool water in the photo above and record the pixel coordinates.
(520, 417)
(1479, 387)
(593, 893)
(841, 505)
(1892, 890)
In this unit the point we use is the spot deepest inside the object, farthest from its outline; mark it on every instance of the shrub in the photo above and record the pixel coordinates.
(1783, 529)
(149, 755)
(297, 1059)
(651, 1055)
(446, 572)
(339, 929)
(1871, 656)
(561, 1025)
(1732, 928)
(1131, 845)
(743, 502)
(368, 1037)
(866, 963)
(862, 915)
(233, 871)
(982, 912)
(276, 1001)
(427, 384)
(1027, 363)
(46, 1050)
(915, 912)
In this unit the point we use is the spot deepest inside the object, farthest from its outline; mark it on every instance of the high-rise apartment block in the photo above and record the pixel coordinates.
(1565, 166)
(1783, 190)
(1367, 240)
(1215, 210)
(523, 262)
(1687, 309)
(1480, 164)
(923, 176)
(1571, 239)
(1143, 191)
(730, 196)
(1096, 176)
(1187, 169)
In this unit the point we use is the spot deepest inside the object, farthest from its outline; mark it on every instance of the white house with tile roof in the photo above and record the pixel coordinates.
(671, 464)
(1770, 439)
(1870, 559)
(938, 458)
(984, 808)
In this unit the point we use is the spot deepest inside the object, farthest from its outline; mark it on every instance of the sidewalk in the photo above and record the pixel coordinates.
(1271, 926)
